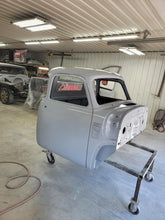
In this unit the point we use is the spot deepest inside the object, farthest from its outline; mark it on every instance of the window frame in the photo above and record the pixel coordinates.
(11, 69)
(73, 104)
(122, 83)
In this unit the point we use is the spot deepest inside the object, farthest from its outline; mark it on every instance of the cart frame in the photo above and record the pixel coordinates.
(145, 173)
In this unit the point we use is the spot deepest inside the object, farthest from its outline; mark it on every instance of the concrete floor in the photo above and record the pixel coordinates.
(70, 192)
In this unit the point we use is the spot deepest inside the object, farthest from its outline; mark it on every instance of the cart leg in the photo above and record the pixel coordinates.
(133, 205)
(149, 177)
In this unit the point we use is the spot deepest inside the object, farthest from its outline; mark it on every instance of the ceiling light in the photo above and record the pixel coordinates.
(136, 51)
(41, 27)
(50, 42)
(29, 22)
(125, 50)
(32, 43)
(2, 44)
(86, 39)
(131, 51)
(121, 37)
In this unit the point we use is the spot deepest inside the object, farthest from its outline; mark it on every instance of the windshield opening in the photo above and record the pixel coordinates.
(12, 70)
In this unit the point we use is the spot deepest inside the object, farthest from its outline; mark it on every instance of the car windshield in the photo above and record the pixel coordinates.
(110, 90)
(12, 70)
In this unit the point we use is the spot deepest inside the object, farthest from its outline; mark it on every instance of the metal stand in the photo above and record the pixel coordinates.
(146, 173)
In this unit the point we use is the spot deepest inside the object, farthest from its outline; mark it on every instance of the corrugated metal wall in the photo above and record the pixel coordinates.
(143, 74)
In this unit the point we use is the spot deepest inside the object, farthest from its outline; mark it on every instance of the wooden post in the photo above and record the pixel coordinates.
(161, 87)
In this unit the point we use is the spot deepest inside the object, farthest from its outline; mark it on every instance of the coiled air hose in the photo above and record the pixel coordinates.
(20, 185)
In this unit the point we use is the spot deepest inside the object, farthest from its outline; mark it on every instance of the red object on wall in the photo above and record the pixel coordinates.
(20, 56)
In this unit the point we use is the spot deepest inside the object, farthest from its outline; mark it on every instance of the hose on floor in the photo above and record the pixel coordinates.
(27, 176)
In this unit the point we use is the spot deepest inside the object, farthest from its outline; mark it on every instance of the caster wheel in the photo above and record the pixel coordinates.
(50, 158)
(160, 128)
(149, 177)
(133, 208)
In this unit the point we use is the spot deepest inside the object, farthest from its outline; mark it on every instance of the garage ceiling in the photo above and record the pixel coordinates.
(83, 18)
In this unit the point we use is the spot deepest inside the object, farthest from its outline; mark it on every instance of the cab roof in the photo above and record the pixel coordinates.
(87, 73)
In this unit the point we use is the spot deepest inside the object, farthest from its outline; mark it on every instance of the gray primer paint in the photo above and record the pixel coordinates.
(89, 134)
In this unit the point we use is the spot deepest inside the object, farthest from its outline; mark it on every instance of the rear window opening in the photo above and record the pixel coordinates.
(110, 90)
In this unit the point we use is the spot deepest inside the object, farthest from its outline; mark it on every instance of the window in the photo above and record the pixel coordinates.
(110, 90)
(12, 70)
(69, 89)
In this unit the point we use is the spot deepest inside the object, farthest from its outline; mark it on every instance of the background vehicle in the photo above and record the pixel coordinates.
(13, 82)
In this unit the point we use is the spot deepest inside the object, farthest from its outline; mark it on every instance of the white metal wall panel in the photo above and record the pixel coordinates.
(143, 74)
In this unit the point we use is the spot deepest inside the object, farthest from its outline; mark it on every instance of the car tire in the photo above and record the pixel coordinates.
(6, 95)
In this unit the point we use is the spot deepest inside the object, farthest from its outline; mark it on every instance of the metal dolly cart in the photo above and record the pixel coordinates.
(145, 173)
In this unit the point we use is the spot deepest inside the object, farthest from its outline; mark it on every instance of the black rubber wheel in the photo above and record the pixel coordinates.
(160, 128)
(6, 95)
(149, 177)
(50, 158)
(134, 210)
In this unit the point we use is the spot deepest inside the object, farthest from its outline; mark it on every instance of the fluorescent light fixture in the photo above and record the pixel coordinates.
(29, 22)
(136, 51)
(50, 42)
(2, 44)
(131, 51)
(125, 50)
(32, 43)
(41, 27)
(121, 37)
(43, 68)
(86, 39)
(42, 42)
